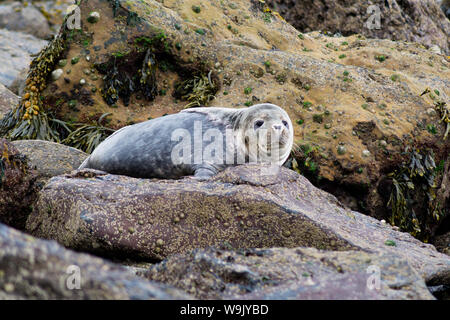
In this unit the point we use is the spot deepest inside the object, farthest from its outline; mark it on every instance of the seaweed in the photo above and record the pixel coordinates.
(29, 120)
(148, 76)
(198, 90)
(412, 181)
(87, 137)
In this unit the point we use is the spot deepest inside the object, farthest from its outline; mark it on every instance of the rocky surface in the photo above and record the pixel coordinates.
(299, 273)
(26, 18)
(442, 243)
(239, 208)
(17, 190)
(411, 20)
(15, 53)
(8, 100)
(36, 269)
(50, 159)
(355, 103)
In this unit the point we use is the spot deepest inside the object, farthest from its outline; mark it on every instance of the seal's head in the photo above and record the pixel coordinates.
(267, 133)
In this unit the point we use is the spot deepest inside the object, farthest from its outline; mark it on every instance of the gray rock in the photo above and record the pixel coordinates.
(49, 158)
(300, 273)
(240, 208)
(8, 100)
(15, 51)
(27, 19)
(409, 20)
(37, 269)
(19, 83)
(17, 190)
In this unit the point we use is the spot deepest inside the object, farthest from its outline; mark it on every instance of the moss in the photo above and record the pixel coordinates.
(307, 104)
(196, 9)
(390, 243)
(318, 118)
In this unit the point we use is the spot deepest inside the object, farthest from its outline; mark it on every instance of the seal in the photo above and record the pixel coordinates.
(196, 141)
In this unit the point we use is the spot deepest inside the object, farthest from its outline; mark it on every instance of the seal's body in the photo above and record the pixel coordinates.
(197, 141)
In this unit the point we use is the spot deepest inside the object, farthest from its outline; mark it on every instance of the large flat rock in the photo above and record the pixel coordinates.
(50, 158)
(242, 207)
(37, 269)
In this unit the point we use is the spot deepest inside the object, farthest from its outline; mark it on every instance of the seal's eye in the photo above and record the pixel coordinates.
(285, 123)
(258, 124)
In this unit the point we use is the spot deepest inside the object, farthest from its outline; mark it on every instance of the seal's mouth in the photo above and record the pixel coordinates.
(275, 140)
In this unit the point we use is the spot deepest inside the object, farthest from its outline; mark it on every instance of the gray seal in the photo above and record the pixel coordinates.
(197, 141)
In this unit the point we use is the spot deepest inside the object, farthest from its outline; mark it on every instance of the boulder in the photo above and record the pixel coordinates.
(17, 188)
(50, 159)
(286, 274)
(37, 269)
(8, 100)
(18, 16)
(15, 53)
(242, 207)
(418, 21)
(355, 103)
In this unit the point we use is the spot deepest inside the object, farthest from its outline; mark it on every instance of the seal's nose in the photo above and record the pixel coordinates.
(277, 126)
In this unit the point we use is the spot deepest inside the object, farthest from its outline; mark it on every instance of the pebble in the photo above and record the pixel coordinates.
(431, 112)
(341, 150)
(82, 82)
(383, 143)
(94, 16)
(56, 74)
(366, 153)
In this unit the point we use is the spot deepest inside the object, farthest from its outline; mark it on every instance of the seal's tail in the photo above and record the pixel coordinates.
(84, 164)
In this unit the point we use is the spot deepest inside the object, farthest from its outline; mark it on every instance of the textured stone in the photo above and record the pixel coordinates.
(15, 54)
(8, 100)
(419, 21)
(17, 190)
(37, 269)
(300, 273)
(242, 207)
(50, 159)
(28, 19)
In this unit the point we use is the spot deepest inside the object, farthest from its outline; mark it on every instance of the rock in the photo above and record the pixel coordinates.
(286, 274)
(260, 51)
(8, 100)
(28, 19)
(15, 54)
(411, 20)
(50, 159)
(54, 12)
(56, 74)
(442, 243)
(37, 269)
(17, 190)
(18, 84)
(242, 207)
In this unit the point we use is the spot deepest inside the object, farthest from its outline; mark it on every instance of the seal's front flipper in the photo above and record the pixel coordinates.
(205, 171)
(204, 174)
